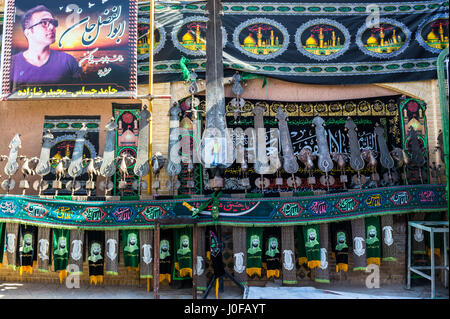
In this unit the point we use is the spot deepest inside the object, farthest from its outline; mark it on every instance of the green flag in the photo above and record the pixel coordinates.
(340, 235)
(165, 255)
(96, 251)
(254, 251)
(130, 245)
(27, 248)
(183, 253)
(301, 252)
(312, 245)
(373, 243)
(60, 252)
(2, 242)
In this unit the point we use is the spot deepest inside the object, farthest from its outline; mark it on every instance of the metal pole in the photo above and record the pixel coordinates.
(194, 258)
(156, 236)
(445, 260)
(150, 87)
(433, 271)
(408, 275)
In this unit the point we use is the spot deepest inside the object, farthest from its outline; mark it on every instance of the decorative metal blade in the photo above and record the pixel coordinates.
(44, 167)
(386, 159)
(108, 167)
(173, 168)
(215, 137)
(324, 161)
(76, 165)
(356, 161)
(141, 167)
(12, 165)
(260, 166)
(290, 164)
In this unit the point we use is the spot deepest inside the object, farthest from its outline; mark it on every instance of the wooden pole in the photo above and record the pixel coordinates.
(150, 87)
(194, 259)
(156, 236)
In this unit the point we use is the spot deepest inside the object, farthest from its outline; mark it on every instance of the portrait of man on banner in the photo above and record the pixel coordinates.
(77, 50)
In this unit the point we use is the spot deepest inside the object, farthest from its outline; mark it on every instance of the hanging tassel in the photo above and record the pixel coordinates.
(341, 266)
(93, 279)
(148, 284)
(186, 271)
(437, 251)
(313, 264)
(273, 273)
(62, 275)
(302, 261)
(252, 271)
(374, 260)
(163, 277)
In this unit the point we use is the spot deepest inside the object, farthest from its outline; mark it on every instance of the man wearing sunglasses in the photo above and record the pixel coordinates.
(39, 64)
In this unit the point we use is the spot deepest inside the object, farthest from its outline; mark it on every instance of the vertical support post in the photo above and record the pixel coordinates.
(445, 260)
(408, 275)
(194, 259)
(156, 236)
(433, 271)
(150, 87)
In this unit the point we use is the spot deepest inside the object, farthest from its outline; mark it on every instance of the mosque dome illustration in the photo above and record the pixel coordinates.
(326, 43)
(389, 41)
(311, 41)
(192, 40)
(266, 41)
(249, 41)
(437, 41)
(372, 41)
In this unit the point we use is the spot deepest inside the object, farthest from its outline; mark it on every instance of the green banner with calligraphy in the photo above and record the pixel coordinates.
(243, 212)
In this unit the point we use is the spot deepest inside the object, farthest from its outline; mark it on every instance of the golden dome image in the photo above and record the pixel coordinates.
(311, 41)
(432, 36)
(372, 40)
(187, 37)
(249, 41)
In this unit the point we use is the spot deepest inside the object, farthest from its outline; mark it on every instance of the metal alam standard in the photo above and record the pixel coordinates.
(307, 42)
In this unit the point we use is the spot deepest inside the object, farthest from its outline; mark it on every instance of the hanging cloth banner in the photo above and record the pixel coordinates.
(80, 62)
(311, 235)
(60, 252)
(215, 252)
(418, 238)
(288, 247)
(27, 248)
(146, 262)
(373, 243)
(200, 259)
(388, 246)
(165, 255)
(95, 256)
(313, 42)
(266, 212)
(240, 254)
(437, 236)
(130, 246)
(44, 249)
(76, 251)
(359, 244)
(340, 242)
(183, 253)
(254, 251)
(112, 252)
(322, 273)
(2, 242)
(301, 251)
(12, 233)
(272, 254)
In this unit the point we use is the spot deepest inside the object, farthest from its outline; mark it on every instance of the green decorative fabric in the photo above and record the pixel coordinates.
(373, 240)
(2, 241)
(244, 212)
(254, 237)
(166, 255)
(183, 255)
(96, 253)
(27, 245)
(60, 249)
(130, 245)
(340, 235)
(301, 251)
(272, 255)
(311, 235)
